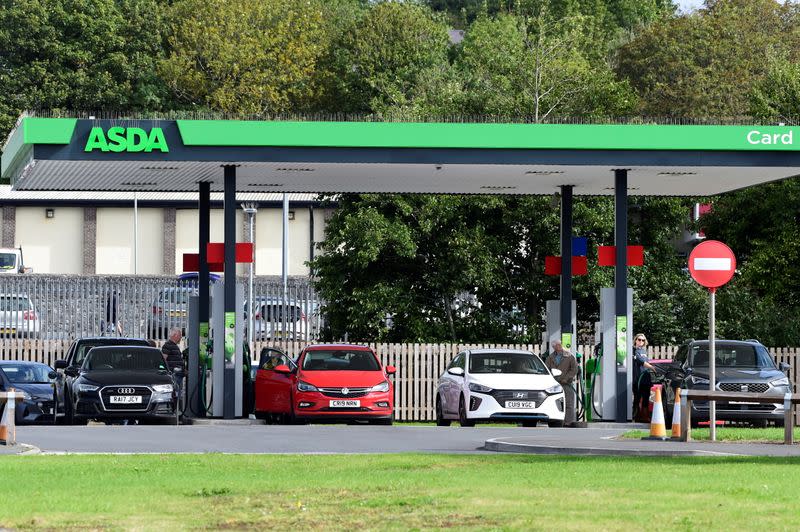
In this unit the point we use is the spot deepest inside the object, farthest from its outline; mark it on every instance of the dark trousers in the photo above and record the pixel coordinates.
(641, 396)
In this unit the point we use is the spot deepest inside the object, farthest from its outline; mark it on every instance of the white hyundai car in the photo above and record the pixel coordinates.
(499, 385)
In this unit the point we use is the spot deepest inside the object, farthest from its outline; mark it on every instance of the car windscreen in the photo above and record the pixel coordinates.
(340, 360)
(7, 261)
(120, 359)
(83, 348)
(731, 356)
(12, 303)
(27, 373)
(506, 363)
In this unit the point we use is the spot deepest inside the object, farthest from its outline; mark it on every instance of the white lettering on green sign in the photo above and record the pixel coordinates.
(131, 139)
(756, 137)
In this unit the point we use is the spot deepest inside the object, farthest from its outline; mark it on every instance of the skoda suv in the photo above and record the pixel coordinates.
(499, 385)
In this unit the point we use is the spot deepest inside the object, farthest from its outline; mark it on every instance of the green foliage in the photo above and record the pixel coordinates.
(243, 57)
(388, 57)
(778, 94)
(705, 65)
(78, 55)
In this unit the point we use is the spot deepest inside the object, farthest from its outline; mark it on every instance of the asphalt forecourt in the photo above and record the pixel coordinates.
(399, 491)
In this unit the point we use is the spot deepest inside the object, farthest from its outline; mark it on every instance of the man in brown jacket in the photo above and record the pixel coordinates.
(564, 361)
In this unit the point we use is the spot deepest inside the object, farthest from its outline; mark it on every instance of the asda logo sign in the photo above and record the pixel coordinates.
(130, 139)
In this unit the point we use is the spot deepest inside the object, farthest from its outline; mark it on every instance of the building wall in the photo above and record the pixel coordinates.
(56, 245)
(115, 247)
(51, 245)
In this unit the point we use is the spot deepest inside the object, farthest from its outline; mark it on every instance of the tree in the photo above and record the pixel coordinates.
(777, 96)
(79, 55)
(243, 57)
(534, 66)
(705, 65)
(386, 56)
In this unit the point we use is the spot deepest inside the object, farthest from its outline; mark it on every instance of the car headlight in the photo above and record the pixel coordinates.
(783, 381)
(382, 387)
(556, 388)
(699, 380)
(162, 388)
(306, 387)
(479, 388)
(87, 388)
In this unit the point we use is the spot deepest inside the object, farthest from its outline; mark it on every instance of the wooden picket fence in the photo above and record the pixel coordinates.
(419, 365)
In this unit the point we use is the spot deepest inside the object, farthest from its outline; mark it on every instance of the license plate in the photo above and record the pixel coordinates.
(125, 399)
(520, 404)
(344, 403)
(177, 314)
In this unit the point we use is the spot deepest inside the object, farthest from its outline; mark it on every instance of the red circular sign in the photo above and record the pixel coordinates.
(712, 263)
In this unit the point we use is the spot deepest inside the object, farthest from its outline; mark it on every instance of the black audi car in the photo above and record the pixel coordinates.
(121, 382)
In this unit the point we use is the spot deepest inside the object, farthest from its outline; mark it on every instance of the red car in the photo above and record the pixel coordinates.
(328, 383)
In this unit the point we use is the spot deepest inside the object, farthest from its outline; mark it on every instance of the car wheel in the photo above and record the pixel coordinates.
(440, 420)
(462, 414)
(555, 423)
(69, 416)
(261, 415)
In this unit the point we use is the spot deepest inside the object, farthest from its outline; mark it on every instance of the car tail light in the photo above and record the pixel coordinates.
(157, 310)
(29, 315)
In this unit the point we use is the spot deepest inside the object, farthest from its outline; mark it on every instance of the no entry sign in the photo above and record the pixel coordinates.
(712, 264)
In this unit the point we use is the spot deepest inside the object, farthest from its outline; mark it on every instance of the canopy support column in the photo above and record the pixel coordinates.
(621, 288)
(566, 262)
(229, 411)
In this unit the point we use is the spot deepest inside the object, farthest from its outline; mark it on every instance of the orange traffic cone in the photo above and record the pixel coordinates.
(4, 424)
(676, 416)
(658, 430)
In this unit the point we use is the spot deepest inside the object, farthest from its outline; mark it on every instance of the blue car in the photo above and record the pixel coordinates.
(35, 381)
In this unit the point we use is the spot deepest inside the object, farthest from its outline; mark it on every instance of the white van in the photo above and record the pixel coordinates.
(11, 261)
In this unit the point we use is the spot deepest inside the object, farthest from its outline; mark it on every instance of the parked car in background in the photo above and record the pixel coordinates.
(169, 309)
(327, 383)
(35, 381)
(18, 317)
(276, 320)
(121, 382)
(741, 366)
(483, 385)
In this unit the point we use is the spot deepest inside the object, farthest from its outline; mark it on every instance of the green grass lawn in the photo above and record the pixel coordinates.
(405, 491)
(733, 434)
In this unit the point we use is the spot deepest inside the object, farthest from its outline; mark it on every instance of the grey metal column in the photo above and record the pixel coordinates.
(198, 340)
(621, 282)
(566, 261)
(230, 290)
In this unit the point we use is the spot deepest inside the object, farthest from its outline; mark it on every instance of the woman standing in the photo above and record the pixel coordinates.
(641, 378)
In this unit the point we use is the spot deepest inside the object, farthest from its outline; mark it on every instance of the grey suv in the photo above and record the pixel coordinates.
(741, 366)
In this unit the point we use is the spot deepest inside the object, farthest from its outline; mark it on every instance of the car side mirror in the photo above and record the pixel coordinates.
(391, 370)
(72, 371)
(60, 364)
(688, 371)
(784, 367)
(556, 372)
(282, 368)
(52, 375)
(456, 371)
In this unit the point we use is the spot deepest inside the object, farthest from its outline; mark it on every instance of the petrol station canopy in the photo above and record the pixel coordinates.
(395, 157)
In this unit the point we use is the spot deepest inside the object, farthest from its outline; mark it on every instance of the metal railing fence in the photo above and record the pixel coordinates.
(65, 307)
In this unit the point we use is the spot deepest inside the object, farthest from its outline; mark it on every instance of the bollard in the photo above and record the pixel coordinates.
(8, 430)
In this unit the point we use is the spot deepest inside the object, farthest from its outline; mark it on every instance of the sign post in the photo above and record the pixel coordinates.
(712, 264)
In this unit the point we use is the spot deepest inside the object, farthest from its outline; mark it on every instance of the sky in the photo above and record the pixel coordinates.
(689, 5)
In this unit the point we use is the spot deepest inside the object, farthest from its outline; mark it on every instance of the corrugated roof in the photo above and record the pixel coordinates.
(6, 193)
